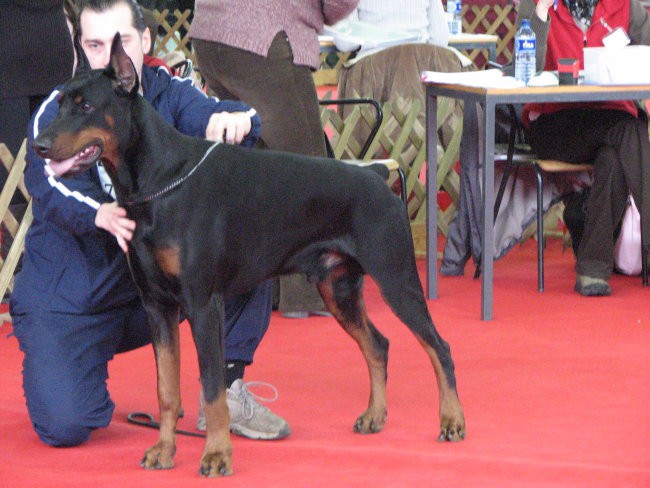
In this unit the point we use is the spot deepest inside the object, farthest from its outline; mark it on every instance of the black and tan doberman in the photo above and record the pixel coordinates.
(215, 220)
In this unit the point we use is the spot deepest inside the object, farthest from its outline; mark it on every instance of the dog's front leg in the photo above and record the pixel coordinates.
(207, 319)
(167, 351)
(217, 453)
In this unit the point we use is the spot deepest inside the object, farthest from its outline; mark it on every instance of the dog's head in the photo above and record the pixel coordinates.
(93, 117)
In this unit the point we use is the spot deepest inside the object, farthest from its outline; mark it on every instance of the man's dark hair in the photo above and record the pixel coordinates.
(103, 5)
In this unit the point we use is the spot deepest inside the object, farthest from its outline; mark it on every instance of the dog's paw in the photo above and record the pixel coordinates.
(216, 464)
(368, 423)
(159, 456)
(452, 430)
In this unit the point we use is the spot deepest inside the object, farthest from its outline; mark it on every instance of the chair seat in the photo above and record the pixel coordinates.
(390, 164)
(555, 166)
(523, 154)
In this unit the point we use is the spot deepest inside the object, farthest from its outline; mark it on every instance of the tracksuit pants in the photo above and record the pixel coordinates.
(65, 365)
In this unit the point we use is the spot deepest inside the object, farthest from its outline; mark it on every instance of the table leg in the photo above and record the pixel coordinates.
(487, 253)
(432, 193)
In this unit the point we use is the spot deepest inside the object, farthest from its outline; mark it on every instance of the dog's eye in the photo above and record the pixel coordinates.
(86, 107)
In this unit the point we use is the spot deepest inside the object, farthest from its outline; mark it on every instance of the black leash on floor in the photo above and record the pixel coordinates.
(146, 420)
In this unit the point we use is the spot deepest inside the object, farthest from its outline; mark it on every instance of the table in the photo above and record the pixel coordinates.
(489, 98)
(466, 41)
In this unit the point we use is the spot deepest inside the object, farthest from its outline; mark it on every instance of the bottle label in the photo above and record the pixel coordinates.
(526, 44)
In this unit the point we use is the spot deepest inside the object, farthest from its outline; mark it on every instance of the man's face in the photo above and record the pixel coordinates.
(98, 30)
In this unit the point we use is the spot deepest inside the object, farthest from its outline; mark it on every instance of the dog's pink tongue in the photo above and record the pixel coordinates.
(61, 167)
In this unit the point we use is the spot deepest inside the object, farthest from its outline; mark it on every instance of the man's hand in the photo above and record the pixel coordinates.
(112, 218)
(230, 127)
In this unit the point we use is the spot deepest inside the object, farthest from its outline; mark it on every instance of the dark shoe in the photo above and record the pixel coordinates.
(592, 287)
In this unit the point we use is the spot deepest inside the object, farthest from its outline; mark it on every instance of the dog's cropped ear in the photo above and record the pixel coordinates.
(126, 77)
(82, 61)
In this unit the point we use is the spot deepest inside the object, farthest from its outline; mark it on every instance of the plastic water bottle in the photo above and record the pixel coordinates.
(455, 16)
(525, 48)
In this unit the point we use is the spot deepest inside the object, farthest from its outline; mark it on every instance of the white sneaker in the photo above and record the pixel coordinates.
(248, 417)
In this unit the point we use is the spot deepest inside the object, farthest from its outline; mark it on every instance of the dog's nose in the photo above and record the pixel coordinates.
(42, 146)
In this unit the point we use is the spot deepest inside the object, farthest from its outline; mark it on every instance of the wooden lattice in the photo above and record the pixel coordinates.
(491, 19)
(173, 36)
(14, 224)
(402, 137)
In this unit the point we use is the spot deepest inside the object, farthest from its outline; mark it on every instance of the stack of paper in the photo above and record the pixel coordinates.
(350, 35)
(491, 78)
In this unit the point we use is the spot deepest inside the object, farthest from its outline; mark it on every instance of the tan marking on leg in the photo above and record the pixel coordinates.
(168, 258)
(161, 455)
(374, 418)
(452, 420)
(217, 453)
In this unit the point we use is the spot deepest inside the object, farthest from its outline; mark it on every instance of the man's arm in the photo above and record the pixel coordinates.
(198, 115)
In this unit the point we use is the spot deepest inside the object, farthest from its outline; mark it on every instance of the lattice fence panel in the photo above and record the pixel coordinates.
(15, 224)
(491, 19)
(402, 137)
(172, 33)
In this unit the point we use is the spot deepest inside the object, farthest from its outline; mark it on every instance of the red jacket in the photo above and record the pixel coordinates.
(566, 40)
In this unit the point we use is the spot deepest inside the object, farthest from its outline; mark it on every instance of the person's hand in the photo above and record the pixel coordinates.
(113, 219)
(230, 127)
(542, 9)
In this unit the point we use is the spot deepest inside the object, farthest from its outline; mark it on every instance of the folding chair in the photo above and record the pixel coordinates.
(360, 157)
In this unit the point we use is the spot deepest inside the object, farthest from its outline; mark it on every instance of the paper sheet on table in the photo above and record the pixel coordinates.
(490, 78)
(350, 35)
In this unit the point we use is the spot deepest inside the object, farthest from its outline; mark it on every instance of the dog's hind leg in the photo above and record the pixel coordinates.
(402, 290)
(342, 294)
(206, 319)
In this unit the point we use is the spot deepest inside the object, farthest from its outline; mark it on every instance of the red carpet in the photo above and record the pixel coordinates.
(556, 392)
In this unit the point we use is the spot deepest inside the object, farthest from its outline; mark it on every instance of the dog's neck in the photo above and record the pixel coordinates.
(152, 153)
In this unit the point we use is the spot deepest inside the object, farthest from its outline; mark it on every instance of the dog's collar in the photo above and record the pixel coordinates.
(173, 184)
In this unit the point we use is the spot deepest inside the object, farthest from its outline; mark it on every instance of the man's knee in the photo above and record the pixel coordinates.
(62, 434)
(62, 426)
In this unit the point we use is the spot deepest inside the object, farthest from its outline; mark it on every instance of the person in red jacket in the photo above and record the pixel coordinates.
(609, 135)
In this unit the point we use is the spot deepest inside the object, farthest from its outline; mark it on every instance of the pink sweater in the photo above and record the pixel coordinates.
(252, 24)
